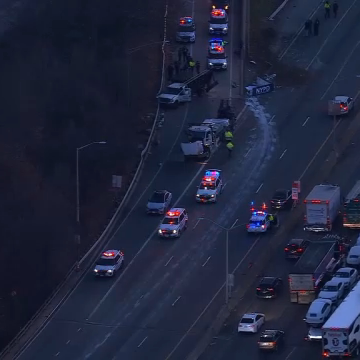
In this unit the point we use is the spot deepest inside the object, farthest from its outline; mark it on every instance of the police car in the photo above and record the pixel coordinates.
(110, 261)
(260, 220)
(218, 23)
(186, 30)
(210, 187)
(217, 58)
(174, 223)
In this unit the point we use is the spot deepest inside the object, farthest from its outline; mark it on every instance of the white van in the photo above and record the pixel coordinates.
(353, 257)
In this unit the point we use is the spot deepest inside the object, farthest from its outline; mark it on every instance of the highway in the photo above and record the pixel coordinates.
(152, 310)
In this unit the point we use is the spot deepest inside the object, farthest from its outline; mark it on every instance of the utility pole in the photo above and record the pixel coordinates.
(244, 46)
(334, 137)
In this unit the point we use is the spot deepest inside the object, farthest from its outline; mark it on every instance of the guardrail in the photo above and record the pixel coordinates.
(105, 233)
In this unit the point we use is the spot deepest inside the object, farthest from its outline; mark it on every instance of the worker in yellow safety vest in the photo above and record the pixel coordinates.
(230, 147)
(228, 135)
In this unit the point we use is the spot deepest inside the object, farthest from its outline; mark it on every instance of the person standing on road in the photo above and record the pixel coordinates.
(327, 7)
(308, 26)
(197, 66)
(316, 27)
(335, 8)
(192, 65)
(230, 148)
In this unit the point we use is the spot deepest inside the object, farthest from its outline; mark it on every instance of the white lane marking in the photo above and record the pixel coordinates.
(307, 119)
(300, 30)
(79, 329)
(259, 188)
(142, 342)
(224, 186)
(283, 154)
(58, 353)
(341, 69)
(288, 357)
(210, 302)
(137, 304)
(68, 342)
(176, 301)
(271, 119)
(232, 55)
(331, 32)
(196, 224)
(141, 249)
(235, 222)
(167, 263)
(207, 260)
(127, 315)
(247, 153)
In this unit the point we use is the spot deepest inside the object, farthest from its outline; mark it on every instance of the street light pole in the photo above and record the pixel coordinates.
(226, 252)
(78, 236)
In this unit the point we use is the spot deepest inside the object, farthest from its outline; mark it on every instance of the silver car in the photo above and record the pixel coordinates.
(159, 202)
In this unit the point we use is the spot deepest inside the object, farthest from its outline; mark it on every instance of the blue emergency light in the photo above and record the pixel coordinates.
(212, 173)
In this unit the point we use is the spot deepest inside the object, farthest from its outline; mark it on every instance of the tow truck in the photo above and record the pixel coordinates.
(186, 30)
(217, 58)
(203, 139)
(261, 221)
(340, 105)
(218, 23)
(210, 187)
(182, 88)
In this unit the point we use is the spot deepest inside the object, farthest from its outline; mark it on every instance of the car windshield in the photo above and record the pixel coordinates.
(157, 198)
(281, 194)
(256, 222)
(185, 29)
(106, 262)
(171, 221)
(217, 56)
(172, 91)
(247, 321)
(331, 288)
(266, 338)
(216, 20)
(207, 186)
(342, 274)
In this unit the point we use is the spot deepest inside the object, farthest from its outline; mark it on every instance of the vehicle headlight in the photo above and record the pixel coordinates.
(174, 231)
(197, 195)
(110, 271)
(224, 65)
(96, 270)
(212, 195)
(160, 232)
(210, 63)
(225, 29)
(211, 29)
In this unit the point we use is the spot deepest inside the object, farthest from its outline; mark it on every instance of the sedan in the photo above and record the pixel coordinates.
(295, 248)
(269, 287)
(333, 290)
(348, 275)
(281, 199)
(271, 340)
(159, 202)
(251, 322)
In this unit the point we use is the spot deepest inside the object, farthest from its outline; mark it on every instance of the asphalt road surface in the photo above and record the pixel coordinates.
(156, 308)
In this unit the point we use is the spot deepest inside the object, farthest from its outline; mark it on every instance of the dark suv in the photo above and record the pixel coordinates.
(295, 248)
(271, 340)
(220, 4)
(269, 287)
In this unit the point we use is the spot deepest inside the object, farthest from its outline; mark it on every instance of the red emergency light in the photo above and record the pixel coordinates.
(109, 254)
(208, 179)
(218, 12)
(173, 213)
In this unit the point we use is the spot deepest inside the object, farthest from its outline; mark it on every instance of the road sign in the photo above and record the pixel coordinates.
(295, 190)
(259, 90)
(231, 280)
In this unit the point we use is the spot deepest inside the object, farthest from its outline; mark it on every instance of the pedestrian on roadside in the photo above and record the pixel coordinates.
(180, 54)
(230, 148)
(316, 27)
(308, 27)
(192, 65)
(177, 67)
(170, 70)
(327, 7)
(197, 66)
(335, 8)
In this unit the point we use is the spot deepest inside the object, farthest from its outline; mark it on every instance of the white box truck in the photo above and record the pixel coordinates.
(322, 207)
(341, 332)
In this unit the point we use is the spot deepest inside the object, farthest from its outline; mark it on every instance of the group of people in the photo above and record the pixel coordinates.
(225, 111)
(184, 62)
(312, 28)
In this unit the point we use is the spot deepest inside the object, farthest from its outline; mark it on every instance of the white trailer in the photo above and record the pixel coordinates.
(341, 332)
(322, 206)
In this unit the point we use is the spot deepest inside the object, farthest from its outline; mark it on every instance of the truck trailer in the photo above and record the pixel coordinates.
(351, 210)
(311, 271)
(322, 206)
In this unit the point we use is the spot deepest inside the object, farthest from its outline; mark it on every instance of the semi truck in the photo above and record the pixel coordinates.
(351, 209)
(322, 206)
(312, 270)
(203, 139)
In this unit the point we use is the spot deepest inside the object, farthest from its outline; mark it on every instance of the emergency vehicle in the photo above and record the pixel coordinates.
(210, 187)
(220, 4)
(186, 30)
(217, 58)
(218, 23)
(109, 262)
(174, 223)
(340, 105)
(260, 220)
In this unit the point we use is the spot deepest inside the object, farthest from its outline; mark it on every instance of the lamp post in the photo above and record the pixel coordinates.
(78, 238)
(129, 52)
(226, 252)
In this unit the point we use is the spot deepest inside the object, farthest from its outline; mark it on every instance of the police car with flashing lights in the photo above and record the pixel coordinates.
(218, 23)
(261, 221)
(210, 187)
(217, 58)
(109, 262)
(174, 223)
(186, 30)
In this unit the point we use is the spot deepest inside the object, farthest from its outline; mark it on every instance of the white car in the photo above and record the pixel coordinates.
(186, 30)
(109, 262)
(218, 23)
(175, 94)
(251, 322)
(333, 290)
(348, 275)
(353, 257)
(159, 202)
(210, 187)
(314, 334)
(319, 311)
(174, 223)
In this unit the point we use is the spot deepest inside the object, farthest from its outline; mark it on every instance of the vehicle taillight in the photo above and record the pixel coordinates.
(247, 226)
(286, 249)
(270, 289)
(326, 354)
(258, 289)
(300, 250)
